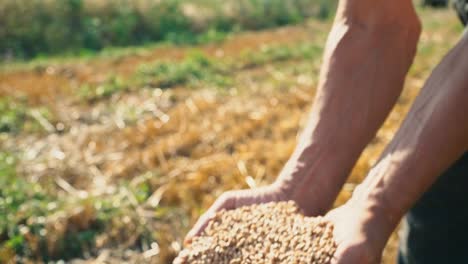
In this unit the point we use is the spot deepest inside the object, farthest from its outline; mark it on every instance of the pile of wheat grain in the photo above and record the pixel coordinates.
(264, 233)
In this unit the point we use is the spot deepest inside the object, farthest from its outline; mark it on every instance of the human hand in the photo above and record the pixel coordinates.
(361, 233)
(233, 199)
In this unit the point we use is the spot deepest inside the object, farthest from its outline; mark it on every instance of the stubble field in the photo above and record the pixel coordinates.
(113, 158)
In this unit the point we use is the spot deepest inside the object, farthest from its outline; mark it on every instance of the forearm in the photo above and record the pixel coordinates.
(433, 136)
(360, 80)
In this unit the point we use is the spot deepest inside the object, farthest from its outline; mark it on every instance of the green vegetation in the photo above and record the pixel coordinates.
(12, 115)
(109, 87)
(19, 200)
(198, 70)
(276, 53)
(39, 223)
(34, 27)
(15, 116)
(195, 70)
(95, 189)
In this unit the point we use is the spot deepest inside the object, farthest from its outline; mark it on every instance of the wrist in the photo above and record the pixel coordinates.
(360, 226)
(378, 217)
(312, 179)
(378, 193)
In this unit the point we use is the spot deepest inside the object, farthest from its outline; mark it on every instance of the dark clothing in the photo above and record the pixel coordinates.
(435, 230)
(461, 6)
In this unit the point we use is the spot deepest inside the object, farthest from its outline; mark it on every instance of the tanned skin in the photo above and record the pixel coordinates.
(367, 56)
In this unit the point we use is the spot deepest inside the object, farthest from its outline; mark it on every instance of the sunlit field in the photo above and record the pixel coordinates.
(112, 157)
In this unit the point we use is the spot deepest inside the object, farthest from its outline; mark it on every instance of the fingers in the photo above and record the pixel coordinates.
(199, 226)
(345, 257)
(225, 201)
(179, 260)
(334, 260)
(351, 254)
(231, 200)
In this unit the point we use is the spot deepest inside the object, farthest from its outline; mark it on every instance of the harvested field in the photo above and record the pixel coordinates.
(104, 165)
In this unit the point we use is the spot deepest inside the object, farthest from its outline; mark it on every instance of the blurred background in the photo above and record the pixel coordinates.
(121, 121)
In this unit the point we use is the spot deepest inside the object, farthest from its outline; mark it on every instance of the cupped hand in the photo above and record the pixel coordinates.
(359, 233)
(234, 199)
